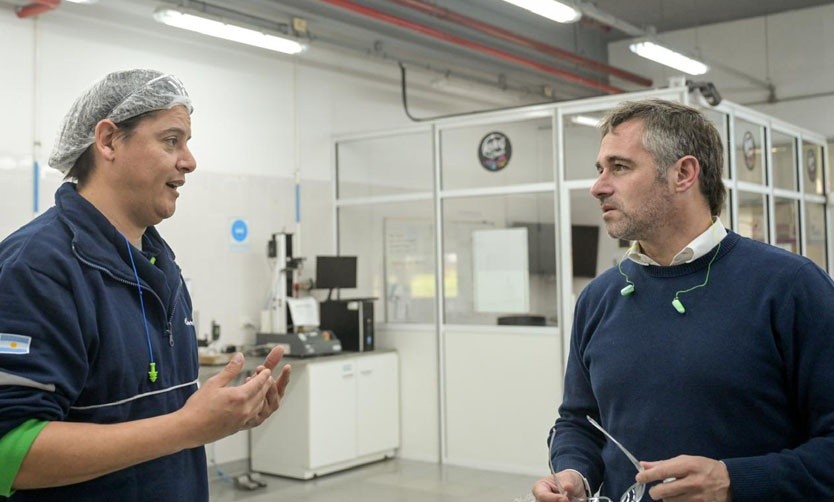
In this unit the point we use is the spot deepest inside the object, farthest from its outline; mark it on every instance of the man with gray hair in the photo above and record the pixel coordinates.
(99, 392)
(704, 353)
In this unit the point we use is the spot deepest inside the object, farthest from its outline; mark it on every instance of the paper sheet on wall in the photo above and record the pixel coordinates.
(500, 272)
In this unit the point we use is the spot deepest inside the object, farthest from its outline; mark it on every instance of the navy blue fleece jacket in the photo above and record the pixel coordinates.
(66, 282)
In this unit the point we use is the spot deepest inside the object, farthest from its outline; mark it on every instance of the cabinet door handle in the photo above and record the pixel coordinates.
(366, 372)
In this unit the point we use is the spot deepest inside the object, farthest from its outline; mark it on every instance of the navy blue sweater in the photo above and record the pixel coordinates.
(746, 375)
(66, 282)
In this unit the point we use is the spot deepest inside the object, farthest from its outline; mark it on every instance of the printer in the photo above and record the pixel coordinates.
(302, 344)
(307, 340)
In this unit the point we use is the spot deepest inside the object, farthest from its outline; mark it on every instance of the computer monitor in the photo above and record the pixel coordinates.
(585, 240)
(334, 272)
(541, 248)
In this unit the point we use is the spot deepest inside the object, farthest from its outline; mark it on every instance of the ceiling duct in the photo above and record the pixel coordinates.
(37, 7)
(429, 31)
(508, 36)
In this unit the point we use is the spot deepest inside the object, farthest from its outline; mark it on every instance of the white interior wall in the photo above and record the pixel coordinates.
(16, 96)
(416, 346)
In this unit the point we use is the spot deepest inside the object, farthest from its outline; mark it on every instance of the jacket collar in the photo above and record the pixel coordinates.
(95, 239)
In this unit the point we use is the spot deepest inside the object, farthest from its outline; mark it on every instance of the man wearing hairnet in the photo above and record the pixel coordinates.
(98, 363)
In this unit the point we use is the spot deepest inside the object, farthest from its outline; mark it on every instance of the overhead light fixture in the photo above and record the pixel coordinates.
(215, 28)
(585, 120)
(551, 9)
(668, 57)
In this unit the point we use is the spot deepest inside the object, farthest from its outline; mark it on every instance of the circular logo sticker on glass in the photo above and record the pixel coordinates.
(811, 164)
(748, 147)
(494, 151)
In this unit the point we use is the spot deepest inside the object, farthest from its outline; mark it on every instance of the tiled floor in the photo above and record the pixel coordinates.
(387, 481)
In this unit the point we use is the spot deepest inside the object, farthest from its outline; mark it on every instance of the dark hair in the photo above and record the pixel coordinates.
(83, 167)
(671, 131)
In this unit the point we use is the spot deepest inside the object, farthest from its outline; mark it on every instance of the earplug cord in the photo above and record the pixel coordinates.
(152, 373)
(676, 302)
(629, 288)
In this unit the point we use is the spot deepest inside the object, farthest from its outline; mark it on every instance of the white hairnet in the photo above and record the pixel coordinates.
(118, 96)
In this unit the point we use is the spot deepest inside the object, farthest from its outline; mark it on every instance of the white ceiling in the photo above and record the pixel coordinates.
(394, 30)
(668, 15)
(400, 31)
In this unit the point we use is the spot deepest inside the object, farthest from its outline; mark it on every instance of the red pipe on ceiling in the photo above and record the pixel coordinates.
(37, 7)
(498, 32)
(469, 44)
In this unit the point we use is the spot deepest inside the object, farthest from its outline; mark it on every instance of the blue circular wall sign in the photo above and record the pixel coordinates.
(240, 230)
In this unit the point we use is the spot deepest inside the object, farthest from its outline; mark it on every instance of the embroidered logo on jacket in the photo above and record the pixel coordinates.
(14, 344)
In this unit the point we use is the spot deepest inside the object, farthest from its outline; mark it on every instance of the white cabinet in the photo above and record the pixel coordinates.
(338, 412)
(332, 417)
(377, 404)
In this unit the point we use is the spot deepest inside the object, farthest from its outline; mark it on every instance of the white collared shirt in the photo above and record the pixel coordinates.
(699, 246)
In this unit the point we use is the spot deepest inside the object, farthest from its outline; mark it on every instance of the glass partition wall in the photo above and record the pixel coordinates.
(482, 229)
(497, 214)
(425, 208)
(386, 218)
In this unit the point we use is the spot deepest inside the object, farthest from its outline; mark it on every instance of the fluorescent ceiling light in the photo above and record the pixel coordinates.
(585, 120)
(668, 57)
(551, 9)
(214, 28)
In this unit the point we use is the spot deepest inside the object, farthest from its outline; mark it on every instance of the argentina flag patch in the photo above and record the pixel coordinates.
(14, 344)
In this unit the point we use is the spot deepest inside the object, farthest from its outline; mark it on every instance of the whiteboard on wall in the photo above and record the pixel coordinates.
(409, 270)
(500, 270)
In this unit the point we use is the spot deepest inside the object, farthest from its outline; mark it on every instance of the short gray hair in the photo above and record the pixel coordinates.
(672, 130)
